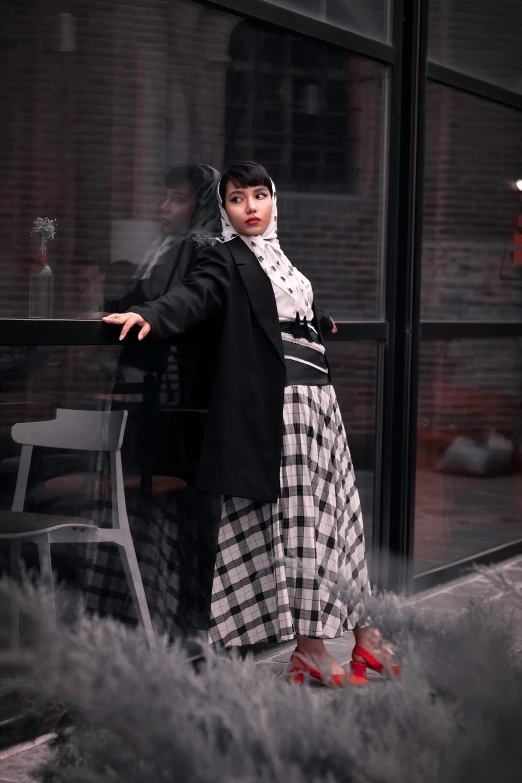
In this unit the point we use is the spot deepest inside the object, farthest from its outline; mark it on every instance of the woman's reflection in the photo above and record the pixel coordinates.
(188, 220)
(172, 525)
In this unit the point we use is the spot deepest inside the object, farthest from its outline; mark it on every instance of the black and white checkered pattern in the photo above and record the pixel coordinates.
(155, 532)
(174, 537)
(274, 561)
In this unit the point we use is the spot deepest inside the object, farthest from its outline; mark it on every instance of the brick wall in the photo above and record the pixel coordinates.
(473, 149)
(88, 133)
(479, 37)
(471, 386)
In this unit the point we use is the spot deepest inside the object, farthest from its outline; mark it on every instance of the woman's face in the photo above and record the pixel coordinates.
(249, 209)
(178, 208)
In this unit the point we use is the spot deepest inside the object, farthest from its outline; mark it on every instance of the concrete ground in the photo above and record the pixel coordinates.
(16, 763)
(449, 597)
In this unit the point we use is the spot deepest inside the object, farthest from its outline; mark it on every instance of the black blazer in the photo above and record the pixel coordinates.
(190, 358)
(241, 452)
(168, 272)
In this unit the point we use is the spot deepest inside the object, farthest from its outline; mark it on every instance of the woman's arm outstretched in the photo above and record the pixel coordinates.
(200, 295)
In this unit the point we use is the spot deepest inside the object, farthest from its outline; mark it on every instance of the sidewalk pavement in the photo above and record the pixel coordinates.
(449, 597)
(17, 762)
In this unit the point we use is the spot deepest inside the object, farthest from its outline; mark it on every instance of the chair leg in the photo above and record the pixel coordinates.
(134, 580)
(46, 571)
(15, 554)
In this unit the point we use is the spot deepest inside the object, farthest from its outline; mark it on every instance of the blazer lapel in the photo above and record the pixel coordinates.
(260, 292)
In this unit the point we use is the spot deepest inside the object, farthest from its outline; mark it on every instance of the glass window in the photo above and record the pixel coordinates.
(472, 230)
(481, 39)
(293, 111)
(354, 373)
(71, 403)
(368, 17)
(469, 476)
(103, 113)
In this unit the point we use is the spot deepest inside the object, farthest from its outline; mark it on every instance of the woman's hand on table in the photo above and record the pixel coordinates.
(127, 321)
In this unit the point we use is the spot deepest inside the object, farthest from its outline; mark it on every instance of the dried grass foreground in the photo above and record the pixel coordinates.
(142, 717)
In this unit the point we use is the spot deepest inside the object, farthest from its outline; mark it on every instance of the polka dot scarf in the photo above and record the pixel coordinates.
(272, 260)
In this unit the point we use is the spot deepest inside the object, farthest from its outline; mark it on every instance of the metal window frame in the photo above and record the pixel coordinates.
(307, 25)
(473, 86)
(453, 330)
(450, 571)
(399, 389)
(402, 295)
(55, 331)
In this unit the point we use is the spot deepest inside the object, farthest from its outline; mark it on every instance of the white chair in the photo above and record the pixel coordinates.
(94, 431)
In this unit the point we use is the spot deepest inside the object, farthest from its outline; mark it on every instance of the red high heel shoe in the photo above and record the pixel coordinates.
(359, 668)
(298, 667)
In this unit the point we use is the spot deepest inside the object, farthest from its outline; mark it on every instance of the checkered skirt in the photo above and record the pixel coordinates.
(276, 562)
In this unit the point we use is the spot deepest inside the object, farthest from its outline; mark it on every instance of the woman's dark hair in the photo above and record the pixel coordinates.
(244, 175)
(189, 173)
(203, 179)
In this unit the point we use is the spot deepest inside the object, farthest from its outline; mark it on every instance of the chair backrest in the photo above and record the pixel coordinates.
(78, 430)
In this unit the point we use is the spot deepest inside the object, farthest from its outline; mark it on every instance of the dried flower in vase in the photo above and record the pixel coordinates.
(44, 229)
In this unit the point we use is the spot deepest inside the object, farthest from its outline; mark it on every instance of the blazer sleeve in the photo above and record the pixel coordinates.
(201, 294)
(325, 322)
(124, 303)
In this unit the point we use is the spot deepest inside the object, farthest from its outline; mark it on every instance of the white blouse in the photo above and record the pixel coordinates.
(286, 307)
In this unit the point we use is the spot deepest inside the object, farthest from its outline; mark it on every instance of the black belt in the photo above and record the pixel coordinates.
(305, 365)
(301, 330)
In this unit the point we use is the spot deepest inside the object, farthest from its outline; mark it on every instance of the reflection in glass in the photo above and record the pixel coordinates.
(172, 525)
(369, 17)
(354, 373)
(471, 265)
(119, 136)
(481, 39)
(113, 119)
(188, 220)
(313, 114)
(469, 479)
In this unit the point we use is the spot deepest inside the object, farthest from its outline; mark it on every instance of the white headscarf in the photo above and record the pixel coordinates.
(272, 260)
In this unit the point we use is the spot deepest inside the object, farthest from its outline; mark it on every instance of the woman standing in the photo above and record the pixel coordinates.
(274, 444)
